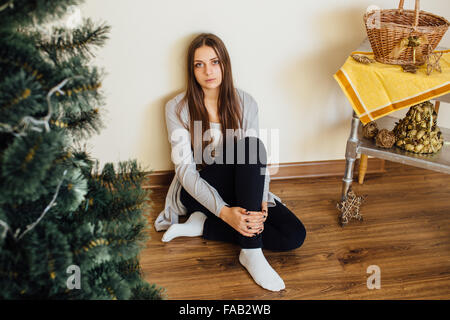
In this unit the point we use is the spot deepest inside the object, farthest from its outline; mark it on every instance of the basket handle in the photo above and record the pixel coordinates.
(416, 11)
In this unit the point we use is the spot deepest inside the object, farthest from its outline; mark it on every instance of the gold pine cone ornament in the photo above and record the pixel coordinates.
(370, 130)
(385, 139)
(418, 131)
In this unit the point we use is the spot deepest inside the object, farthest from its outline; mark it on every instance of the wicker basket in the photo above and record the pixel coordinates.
(404, 37)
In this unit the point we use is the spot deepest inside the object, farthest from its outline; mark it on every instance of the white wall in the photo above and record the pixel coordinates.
(284, 53)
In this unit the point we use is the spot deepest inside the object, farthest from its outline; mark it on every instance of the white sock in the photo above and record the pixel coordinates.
(193, 227)
(260, 270)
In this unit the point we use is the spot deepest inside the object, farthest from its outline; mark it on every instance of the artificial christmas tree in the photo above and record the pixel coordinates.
(67, 228)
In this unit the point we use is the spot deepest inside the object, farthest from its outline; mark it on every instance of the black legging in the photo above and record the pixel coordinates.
(241, 184)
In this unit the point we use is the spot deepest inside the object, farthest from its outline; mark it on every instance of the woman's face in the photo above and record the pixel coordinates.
(207, 68)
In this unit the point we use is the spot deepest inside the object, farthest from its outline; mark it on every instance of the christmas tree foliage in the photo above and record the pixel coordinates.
(68, 230)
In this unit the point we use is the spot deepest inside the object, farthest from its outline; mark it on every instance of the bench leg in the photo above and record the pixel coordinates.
(362, 168)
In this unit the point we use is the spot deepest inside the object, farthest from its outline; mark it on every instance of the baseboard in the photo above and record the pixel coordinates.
(292, 170)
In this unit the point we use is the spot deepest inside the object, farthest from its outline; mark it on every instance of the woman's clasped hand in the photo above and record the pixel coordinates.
(247, 223)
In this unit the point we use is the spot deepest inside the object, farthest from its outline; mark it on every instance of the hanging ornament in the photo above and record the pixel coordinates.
(410, 42)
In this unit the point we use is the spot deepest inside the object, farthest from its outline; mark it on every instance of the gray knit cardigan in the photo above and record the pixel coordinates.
(186, 174)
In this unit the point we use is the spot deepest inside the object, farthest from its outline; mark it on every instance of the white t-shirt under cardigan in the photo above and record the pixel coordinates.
(216, 133)
(186, 174)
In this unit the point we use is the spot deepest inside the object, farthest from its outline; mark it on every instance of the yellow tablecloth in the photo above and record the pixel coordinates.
(376, 89)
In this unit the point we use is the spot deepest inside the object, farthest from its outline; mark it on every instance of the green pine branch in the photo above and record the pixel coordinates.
(28, 12)
(79, 42)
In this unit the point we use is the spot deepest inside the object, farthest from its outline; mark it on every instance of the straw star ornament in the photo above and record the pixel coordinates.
(349, 207)
(432, 61)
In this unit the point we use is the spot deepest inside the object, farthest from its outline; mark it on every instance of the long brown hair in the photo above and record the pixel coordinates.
(228, 102)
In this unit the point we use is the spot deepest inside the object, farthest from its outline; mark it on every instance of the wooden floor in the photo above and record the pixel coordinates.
(405, 232)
